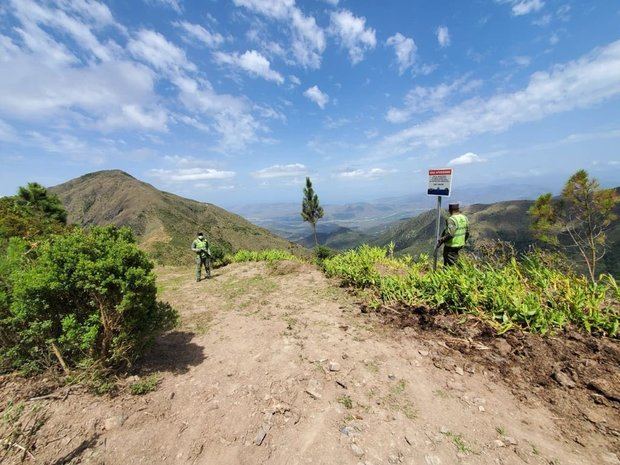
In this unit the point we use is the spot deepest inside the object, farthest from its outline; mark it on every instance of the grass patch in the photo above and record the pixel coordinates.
(144, 385)
(346, 402)
(262, 256)
(459, 442)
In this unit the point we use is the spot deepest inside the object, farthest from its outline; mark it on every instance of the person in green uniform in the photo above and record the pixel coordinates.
(455, 235)
(200, 246)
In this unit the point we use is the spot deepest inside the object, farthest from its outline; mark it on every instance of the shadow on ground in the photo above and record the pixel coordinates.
(173, 352)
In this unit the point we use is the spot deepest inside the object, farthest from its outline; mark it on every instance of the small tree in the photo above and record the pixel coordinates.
(36, 196)
(582, 214)
(311, 210)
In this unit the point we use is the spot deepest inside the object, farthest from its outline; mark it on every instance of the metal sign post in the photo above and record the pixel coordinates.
(436, 252)
(439, 184)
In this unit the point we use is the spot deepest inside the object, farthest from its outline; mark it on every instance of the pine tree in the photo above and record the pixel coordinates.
(34, 195)
(311, 210)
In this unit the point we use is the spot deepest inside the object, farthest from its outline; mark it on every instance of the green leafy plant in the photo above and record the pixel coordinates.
(528, 293)
(88, 298)
(145, 385)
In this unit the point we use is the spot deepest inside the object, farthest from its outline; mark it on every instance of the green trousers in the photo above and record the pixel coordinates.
(202, 261)
(450, 255)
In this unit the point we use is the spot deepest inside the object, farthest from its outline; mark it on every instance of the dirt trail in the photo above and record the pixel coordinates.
(273, 364)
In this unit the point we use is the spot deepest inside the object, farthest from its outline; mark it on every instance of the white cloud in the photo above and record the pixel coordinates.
(581, 83)
(174, 4)
(294, 80)
(332, 2)
(190, 174)
(153, 48)
(422, 99)
(195, 32)
(281, 171)
(78, 27)
(405, 49)
(252, 62)
(352, 34)
(118, 94)
(443, 36)
(307, 38)
(466, 159)
(371, 173)
(317, 96)
(523, 7)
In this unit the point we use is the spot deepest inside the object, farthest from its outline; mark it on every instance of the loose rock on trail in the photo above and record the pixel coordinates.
(275, 364)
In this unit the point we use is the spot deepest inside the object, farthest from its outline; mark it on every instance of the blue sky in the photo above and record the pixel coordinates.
(236, 101)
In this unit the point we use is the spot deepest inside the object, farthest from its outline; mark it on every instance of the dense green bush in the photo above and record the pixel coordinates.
(528, 293)
(90, 294)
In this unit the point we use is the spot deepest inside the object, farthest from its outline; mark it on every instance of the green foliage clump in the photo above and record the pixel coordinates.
(322, 252)
(580, 218)
(261, 256)
(91, 294)
(529, 293)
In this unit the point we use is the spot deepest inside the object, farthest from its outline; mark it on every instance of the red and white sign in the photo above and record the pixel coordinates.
(440, 181)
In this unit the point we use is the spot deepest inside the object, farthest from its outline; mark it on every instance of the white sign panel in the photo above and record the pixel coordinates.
(440, 181)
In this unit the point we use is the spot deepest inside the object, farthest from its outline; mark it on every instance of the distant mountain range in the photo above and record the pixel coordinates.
(164, 223)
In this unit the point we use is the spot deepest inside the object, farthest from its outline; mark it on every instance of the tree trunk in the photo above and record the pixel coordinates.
(316, 240)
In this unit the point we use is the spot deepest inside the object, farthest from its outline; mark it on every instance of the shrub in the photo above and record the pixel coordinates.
(530, 293)
(322, 252)
(89, 295)
(219, 255)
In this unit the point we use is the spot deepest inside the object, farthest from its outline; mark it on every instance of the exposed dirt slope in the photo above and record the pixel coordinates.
(165, 223)
(273, 364)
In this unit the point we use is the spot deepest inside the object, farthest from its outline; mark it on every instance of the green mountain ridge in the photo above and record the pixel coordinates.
(164, 223)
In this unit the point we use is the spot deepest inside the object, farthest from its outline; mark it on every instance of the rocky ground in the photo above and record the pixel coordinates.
(275, 364)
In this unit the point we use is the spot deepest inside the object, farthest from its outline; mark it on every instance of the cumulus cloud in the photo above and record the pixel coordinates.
(577, 84)
(371, 173)
(56, 65)
(405, 49)
(195, 33)
(295, 81)
(307, 38)
(352, 33)
(255, 64)
(317, 96)
(466, 159)
(281, 171)
(443, 36)
(190, 174)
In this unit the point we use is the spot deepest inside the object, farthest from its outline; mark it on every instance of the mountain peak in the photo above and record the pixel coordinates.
(164, 223)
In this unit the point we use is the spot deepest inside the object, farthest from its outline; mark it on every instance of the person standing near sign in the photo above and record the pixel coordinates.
(454, 236)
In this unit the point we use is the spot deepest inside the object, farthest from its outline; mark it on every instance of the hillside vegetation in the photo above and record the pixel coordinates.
(163, 223)
(535, 293)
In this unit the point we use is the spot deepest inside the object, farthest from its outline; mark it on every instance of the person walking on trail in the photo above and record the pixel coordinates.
(200, 246)
(455, 235)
